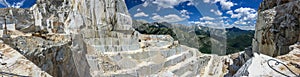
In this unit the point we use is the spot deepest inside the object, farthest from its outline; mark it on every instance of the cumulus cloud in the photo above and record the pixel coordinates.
(211, 24)
(226, 5)
(251, 27)
(246, 18)
(138, 9)
(243, 18)
(240, 22)
(168, 3)
(224, 17)
(168, 18)
(229, 12)
(217, 12)
(207, 18)
(141, 14)
(185, 13)
(225, 22)
(146, 3)
(206, 1)
(243, 13)
(222, 24)
(190, 4)
(207, 23)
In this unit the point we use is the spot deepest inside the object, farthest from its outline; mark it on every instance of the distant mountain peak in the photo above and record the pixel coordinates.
(234, 29)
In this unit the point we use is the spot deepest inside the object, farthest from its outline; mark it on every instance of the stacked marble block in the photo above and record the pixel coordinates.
(111, 30)
(159, 59)
(111, 41)
(9, 27)
(156, 40)
(123, 52)
(113, 37)
(8, 22)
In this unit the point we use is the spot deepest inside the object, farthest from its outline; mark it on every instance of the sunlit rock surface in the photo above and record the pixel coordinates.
(95, 38)
(277, 27)
(18, 65)
(84, 38)
(261, 65)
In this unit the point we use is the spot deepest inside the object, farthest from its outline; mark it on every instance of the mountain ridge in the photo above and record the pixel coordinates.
(187, 35)
(96, 38)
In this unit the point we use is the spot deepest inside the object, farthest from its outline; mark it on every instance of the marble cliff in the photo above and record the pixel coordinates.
(95, 38)
(277, 27)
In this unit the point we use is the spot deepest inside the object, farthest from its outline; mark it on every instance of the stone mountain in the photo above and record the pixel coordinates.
(95, 38)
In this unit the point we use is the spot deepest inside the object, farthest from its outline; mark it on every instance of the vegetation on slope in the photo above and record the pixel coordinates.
(192, 36)
(147, 28)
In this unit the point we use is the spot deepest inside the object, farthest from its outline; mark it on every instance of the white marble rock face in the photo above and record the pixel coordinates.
(103, 42)
(17, 64)
(277, 27)
(95, 38)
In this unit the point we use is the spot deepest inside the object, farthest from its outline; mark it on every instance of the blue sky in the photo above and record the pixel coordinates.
(17, 3)
(214, 13)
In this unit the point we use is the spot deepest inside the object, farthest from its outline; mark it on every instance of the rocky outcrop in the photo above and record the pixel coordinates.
(84, 38)
(58, 35)
(269, 4)
(277, 27)
(15, 64)
(53, 53)
(263, 65)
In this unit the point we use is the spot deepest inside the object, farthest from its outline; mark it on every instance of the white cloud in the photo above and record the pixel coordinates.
(251, 27)
(141, 14)
(214, 25)
(190, 3)
(138, 9)
(217, 12)
(243, 13)
(206, 1)
(240, 22)
(226, 5)
(194, 22)
(204, 23)
(229, 12)
(168, 3)
(146, 3)
(224, 22)
(206, 18)
(246, 17)
(154, 14)
(222, 25)
(168, 18)
(224, 17)
(185, 13)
